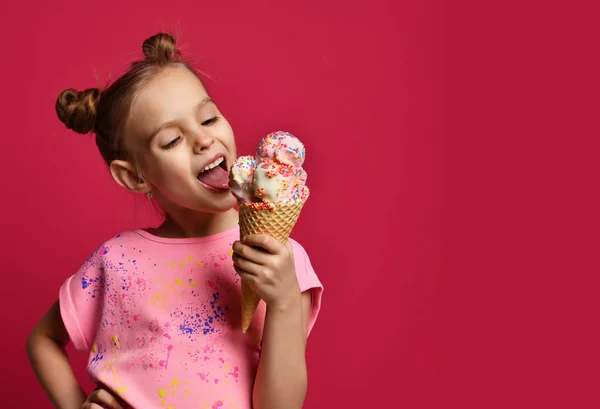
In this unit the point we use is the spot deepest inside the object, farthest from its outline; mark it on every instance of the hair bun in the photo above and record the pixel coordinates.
(77, 110)
(161, 48)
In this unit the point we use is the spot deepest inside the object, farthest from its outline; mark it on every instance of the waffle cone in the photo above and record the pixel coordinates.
(277, 223)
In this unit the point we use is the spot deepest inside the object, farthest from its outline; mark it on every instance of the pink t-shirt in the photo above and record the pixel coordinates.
(161, 321)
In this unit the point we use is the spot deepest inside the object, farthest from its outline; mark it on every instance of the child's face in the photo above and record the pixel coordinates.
(174, 131)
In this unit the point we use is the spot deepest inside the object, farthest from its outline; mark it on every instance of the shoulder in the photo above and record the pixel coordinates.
(308, 281)
(126, 236)
(303, 264)
(124, 239)
(120, 243)
(297, 247)
(300, 255)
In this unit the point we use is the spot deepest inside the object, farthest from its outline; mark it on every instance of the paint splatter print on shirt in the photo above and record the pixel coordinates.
(160, 319)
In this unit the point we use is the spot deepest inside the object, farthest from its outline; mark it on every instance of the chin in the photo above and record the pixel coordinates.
(221, 206)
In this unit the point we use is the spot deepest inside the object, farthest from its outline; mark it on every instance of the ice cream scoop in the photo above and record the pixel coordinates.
(241, 177)
(281, 147)
(275, 176)
(276, 183)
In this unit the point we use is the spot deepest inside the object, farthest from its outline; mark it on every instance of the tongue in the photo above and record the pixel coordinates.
(216, 177)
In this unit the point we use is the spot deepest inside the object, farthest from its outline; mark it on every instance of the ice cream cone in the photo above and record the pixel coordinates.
(277, 223)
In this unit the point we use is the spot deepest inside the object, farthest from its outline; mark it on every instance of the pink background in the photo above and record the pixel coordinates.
(360, 84)
(472, 281)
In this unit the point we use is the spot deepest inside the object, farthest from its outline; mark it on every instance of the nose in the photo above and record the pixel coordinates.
(202, 141)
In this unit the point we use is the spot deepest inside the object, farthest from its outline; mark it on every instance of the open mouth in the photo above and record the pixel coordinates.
(215, 175)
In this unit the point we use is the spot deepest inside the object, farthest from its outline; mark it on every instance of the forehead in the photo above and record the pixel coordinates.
(171, 94)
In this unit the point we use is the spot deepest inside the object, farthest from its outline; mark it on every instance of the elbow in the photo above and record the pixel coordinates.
(33, 341)
(31, 344)
(37, 340)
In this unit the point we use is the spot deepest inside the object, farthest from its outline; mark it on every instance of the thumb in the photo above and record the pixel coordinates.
(106, 399)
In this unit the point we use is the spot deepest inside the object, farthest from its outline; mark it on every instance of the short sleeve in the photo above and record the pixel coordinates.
(308, 280)
(80, 299)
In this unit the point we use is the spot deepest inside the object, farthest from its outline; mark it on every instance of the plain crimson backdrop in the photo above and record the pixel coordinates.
(359, 83)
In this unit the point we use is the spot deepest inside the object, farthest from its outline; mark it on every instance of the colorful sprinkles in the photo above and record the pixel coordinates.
(275, 176)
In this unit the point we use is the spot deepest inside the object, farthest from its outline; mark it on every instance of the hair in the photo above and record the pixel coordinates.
(104, 111)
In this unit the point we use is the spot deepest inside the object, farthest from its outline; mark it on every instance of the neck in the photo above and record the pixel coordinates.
(185, 223)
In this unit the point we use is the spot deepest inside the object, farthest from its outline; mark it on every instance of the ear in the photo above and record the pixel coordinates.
(126, 175)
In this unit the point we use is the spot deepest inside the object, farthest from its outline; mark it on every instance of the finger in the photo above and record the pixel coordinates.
(264, 241)
(106, 399)
(248, 266)
(248, 278)
(253, 254)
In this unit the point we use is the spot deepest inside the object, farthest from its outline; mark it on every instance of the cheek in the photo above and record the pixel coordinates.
(228, 139)
(233, 150)
(165, 170)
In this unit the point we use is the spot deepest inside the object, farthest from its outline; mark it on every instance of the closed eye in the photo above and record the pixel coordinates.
(172, 143)
(210, 121)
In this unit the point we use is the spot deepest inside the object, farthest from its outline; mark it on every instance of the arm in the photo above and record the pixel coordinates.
(48, 358)
(268, 266)
(281, 378)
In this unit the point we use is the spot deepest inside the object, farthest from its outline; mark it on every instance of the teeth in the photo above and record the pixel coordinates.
(212, 165)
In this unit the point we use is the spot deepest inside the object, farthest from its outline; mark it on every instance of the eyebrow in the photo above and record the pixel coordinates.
(168, 124)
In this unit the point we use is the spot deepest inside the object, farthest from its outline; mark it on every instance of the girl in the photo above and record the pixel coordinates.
(158, 310)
